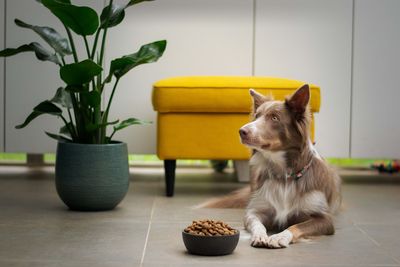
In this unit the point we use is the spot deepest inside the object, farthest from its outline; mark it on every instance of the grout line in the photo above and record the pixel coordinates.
(148, 232)
(352, 76)
(367, 235)
(253, 54)
(4, 77)
(376, 243)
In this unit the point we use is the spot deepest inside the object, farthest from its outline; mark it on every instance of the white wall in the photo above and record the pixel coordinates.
(376, 88)
(2, 76)
(310, 40)
(205, 37)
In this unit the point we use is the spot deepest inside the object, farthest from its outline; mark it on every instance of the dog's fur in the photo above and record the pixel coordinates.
(300, 208)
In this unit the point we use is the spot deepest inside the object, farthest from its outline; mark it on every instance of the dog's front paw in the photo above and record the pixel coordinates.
(259, 240)
(281, 240)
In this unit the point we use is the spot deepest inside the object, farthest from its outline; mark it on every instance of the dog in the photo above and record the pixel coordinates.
(292, 189)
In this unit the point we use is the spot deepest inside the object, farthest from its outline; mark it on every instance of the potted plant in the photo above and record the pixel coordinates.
(91, 167)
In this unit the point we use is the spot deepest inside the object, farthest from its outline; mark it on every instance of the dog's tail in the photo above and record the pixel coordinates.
(235, 200)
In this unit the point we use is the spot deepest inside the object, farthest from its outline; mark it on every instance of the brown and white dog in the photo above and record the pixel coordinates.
(292, 189)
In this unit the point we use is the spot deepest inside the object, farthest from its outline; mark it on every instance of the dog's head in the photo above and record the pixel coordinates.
(278, 125)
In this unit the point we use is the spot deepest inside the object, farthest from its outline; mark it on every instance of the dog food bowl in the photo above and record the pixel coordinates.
(210, 245)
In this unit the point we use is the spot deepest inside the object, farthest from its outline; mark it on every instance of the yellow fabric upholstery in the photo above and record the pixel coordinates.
(200, 136)
(221, 94)
(199, 117)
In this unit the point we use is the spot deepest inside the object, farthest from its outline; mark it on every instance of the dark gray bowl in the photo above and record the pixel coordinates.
(210, 245)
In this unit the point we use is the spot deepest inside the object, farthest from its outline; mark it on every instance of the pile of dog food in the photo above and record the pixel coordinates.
(210, 228)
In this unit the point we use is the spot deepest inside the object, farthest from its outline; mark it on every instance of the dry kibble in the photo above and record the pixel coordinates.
(209, 228)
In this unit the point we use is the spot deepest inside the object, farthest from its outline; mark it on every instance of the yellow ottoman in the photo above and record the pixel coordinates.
(199, 116)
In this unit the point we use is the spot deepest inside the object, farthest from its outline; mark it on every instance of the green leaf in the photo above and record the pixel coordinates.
(51, 36)
(147, 54)
(65, 129)
(63, 98)
(129, 122)
(40, 52)
(92, 98)
(8, 52)
(80, 73)
(134, 2)
(81, 19)
(46, 107)
(62, 1)
(58, 137)
(116, 16)
(30, 118)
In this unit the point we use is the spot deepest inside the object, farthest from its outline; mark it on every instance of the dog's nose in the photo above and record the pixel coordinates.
(243, 132)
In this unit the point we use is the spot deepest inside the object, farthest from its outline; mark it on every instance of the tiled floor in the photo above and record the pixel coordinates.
(36, 229)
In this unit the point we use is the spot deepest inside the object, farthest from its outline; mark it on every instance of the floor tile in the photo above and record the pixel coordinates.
(95, 242)
(69, 263)
(386, 235)
(372, 203)
(29, 203)
(184, 210)
(36, 229)
(157, 264)
(348, 247)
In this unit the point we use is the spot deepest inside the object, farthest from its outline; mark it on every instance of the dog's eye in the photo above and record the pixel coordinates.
(274, 118)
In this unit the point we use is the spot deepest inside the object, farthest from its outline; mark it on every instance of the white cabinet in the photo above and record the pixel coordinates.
(29, 81)
(310, 40)
(2, 14)
(204, 38)
(376, 87)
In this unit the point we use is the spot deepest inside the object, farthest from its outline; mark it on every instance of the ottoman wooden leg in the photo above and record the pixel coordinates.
(169, 167)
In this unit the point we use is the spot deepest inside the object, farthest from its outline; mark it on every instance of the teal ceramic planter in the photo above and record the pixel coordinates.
(91, 177)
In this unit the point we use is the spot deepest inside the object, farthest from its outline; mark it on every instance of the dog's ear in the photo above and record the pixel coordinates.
(298, 102)
(258, 99)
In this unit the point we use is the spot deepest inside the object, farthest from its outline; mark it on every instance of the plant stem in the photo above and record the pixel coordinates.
(63, 60)
(105, 34)
(97, 117)
(102, 130)
(87, 46)
(111, 136)
(96, 39)
(72, 122)
(73, 98)
(105, 115)
(77, 117)
(71, 40)
(109, 101)
(97, 120)
(69, 129)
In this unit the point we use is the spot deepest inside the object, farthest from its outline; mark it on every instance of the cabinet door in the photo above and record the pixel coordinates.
(205, 37)
(376, 89)
(2, 14)
(29, 81)
(310, 40)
